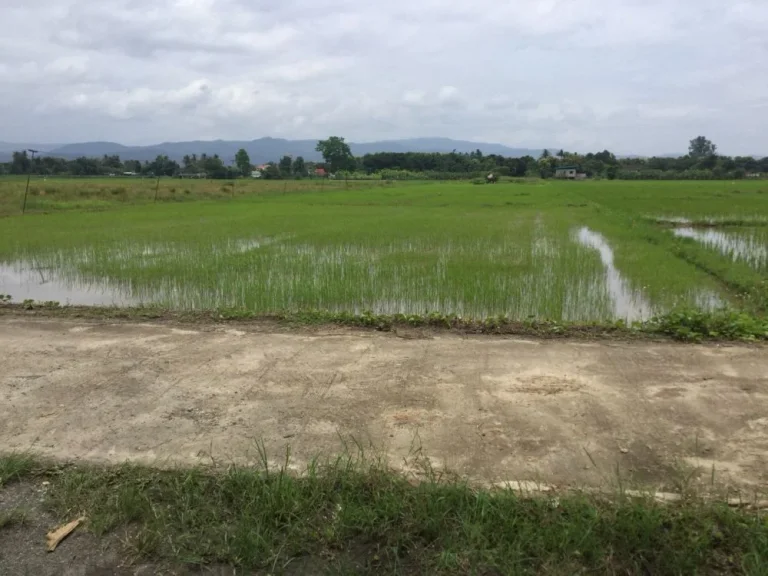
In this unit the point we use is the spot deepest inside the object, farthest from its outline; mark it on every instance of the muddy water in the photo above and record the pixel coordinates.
(627, 303)
(23, 281)
(743, 245)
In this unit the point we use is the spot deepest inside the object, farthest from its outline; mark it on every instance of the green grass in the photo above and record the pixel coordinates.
(15, 466)
(351, 515)
(414, 248)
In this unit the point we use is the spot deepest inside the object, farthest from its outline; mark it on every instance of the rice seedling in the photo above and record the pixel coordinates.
(585, 252)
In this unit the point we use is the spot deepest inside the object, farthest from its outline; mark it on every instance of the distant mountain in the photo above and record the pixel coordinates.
(261, 150)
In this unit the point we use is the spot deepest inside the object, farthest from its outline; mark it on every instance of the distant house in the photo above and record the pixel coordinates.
(320, 172)
(565, 172)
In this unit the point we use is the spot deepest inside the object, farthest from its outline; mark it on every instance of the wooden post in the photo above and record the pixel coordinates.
(157, 187)
(26, 191)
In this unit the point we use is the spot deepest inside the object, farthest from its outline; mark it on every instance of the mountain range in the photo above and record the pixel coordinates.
(260, 150)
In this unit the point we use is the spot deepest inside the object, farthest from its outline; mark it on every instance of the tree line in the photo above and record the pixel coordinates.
(701, 162)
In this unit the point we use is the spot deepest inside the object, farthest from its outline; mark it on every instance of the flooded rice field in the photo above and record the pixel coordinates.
(535, 273)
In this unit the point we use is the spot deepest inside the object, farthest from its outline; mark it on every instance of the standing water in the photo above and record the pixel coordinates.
(627, 303)
(24, 281)
(744, 245)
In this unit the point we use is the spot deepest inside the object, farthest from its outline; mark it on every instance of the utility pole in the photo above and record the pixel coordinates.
(29, 175)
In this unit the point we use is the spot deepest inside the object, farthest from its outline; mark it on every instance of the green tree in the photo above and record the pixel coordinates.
(112, 162)
(544, 154)
(285, 166)
(163, 166)
(547, 166)
(271, 172)
(336, 153)
(243, 162)
(133, 166)
(299, 168)
(20, 163)
(700, 147)
(213, 167)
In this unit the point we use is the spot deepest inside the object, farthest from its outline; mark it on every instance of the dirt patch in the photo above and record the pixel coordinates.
(22, 544)
(493, 408)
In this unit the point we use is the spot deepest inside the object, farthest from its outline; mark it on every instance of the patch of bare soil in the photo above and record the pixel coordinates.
(564, 413)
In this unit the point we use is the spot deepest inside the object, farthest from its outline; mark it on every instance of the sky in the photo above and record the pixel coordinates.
(632, 76)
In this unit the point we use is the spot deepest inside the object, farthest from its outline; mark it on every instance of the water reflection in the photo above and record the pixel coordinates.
(626, 303)
(746, 246)
(24, 281)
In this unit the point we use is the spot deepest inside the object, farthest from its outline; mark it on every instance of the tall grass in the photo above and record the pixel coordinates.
(353, 515)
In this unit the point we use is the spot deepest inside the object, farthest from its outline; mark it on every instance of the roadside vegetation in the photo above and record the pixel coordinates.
(354, 514)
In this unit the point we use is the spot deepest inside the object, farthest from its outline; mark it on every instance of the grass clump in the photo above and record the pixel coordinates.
(15, 466)
(697, 325)
(360, 516)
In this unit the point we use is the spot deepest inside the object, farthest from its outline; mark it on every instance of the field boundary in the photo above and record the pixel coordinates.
(683, 326)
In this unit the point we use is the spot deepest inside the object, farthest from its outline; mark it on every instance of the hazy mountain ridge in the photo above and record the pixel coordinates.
(260, 150)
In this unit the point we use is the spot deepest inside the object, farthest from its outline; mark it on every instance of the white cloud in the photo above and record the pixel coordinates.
(629, 75)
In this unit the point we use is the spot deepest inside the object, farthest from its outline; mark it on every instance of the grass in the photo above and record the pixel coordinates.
(682, 325)
(15, 466)
(354, 514)
(416, 248)
(56, 194)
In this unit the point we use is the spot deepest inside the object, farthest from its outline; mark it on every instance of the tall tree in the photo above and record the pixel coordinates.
(285, 166)
(336, 153)
(271, 171)
(243, 162)
(299, 168)
(700, 147)
(20, 164)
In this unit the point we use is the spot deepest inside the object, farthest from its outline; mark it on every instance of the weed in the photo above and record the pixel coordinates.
(263, 516)
(15, 466)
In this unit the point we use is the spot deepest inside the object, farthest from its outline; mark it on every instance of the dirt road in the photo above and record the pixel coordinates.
(496, 409)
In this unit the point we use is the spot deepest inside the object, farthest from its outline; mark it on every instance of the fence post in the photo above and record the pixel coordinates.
(26, 191)
(157, 187)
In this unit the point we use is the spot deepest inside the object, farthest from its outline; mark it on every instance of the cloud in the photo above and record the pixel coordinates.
(628, 75)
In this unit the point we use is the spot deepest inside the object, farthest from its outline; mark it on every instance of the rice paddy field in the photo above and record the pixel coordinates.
(591, 251)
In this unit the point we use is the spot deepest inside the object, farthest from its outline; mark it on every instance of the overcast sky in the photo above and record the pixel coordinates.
(633, 76)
